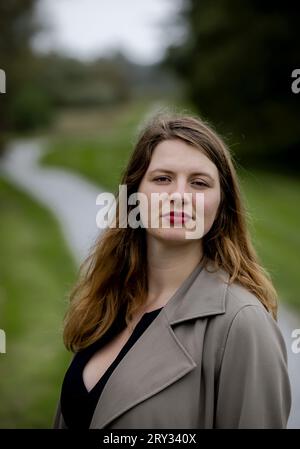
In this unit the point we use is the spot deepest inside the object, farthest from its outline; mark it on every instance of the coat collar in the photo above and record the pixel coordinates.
(158, 358)
(201, 294)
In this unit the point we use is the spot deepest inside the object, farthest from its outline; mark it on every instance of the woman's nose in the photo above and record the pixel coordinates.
(180, 192)
(180, 187)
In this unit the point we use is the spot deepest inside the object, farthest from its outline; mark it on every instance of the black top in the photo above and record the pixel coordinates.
(77, 404)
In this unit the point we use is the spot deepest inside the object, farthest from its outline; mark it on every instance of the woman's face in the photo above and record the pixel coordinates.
(178, 167)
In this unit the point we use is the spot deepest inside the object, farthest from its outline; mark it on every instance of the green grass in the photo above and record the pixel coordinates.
(36, 272)
(273, 203)
(272, 199)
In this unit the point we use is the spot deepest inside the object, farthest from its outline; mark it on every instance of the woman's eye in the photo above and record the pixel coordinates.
(164, 178)
(160, 177)
(200, 183)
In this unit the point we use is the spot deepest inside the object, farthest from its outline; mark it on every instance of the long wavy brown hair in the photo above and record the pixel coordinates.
(114, 275)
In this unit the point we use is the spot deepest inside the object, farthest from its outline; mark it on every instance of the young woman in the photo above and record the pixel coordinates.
(169, 331)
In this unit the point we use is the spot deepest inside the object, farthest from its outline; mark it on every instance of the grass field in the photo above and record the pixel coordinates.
(36, 272)
(272, 201)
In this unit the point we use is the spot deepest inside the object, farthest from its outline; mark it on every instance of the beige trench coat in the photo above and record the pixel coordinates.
(212, 358)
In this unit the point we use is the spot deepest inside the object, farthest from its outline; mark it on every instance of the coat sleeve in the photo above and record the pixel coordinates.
(253, 388)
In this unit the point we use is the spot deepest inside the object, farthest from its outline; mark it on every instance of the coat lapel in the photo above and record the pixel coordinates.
(158, 358)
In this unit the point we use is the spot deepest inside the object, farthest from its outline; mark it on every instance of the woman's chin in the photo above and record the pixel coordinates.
(170, 234)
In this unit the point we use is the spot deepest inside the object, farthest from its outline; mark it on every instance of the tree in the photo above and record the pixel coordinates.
(17, 26)
(236, 60)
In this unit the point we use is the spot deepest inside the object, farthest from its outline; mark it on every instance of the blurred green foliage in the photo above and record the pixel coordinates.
(107, 81)
(236, 60)
(39, 86)
(31, 108)
(25, 105)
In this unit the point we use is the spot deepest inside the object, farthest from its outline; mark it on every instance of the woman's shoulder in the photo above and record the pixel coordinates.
(246, 330)
(244, 313)
(239, 297)
(234, 295)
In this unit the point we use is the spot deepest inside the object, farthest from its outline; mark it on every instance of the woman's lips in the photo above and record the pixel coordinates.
(177, 216)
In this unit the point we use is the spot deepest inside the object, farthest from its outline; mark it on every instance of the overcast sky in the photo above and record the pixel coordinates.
(89, 28)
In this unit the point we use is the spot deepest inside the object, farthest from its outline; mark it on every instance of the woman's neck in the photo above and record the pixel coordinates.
(168, 266)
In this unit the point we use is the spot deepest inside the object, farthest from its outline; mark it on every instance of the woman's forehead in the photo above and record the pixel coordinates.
(176, 155)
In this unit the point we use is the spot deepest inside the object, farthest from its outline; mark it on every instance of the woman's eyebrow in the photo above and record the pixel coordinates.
(172, 173)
